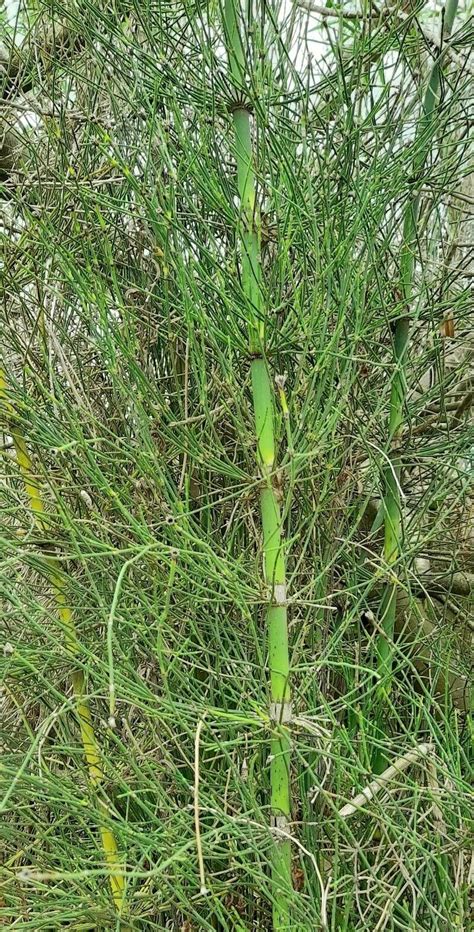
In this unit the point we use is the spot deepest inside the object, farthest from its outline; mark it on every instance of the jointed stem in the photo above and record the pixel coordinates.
(273, 541)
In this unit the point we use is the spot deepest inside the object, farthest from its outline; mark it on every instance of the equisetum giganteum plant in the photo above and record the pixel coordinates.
(236, 502)
(263, 392)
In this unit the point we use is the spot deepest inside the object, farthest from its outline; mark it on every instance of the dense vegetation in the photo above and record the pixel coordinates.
(237, 546)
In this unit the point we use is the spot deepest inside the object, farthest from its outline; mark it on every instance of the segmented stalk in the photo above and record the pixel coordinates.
(57, 581)
(273, 540)
(393, 474)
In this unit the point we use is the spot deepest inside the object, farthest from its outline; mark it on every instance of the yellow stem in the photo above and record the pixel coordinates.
(89, 741)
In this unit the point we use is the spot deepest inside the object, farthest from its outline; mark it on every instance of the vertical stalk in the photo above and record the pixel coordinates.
(56, 578)
(273, 540)
(393, 534)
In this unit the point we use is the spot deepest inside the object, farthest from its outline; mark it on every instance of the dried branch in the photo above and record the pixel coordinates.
(18, 75)
(459, 583)
(430, 38)
(373, 788)
(331, 11)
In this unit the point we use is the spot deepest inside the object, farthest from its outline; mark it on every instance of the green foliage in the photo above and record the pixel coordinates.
(124, 334)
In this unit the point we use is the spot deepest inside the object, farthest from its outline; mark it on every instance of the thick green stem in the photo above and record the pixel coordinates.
(273, 541)
(425, 132)
(251, 266)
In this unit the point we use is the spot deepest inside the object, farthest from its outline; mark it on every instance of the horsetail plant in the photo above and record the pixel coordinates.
(263, 406)
(204, 330)
(56, 578)
(393, 530)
